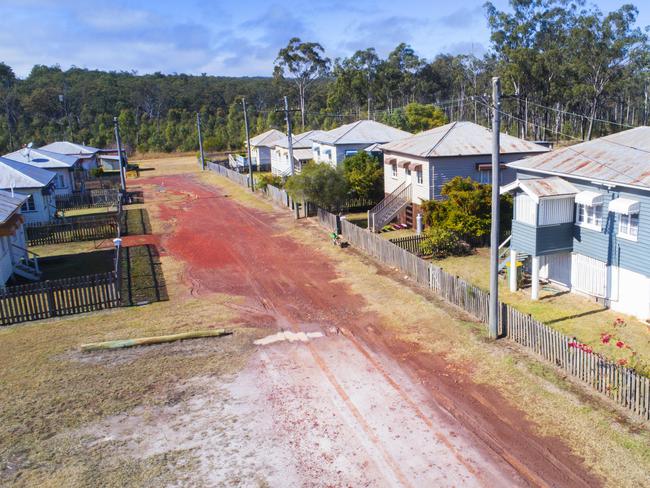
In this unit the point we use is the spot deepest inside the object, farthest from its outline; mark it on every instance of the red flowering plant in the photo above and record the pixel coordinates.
(629, 358)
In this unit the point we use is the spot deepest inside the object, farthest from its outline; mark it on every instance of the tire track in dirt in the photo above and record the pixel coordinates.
(276, 296)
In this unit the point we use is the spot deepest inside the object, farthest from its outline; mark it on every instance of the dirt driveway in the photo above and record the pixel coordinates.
(330, 397)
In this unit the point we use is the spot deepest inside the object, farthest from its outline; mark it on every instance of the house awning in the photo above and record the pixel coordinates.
(417, 167)
(624, 206)
(403, 164)
(589, 198)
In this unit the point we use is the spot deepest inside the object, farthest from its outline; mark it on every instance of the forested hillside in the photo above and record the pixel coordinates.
(568, 72)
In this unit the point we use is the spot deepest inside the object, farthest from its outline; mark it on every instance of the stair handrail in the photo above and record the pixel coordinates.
(505, 242)
(390, 197)
(34, 258)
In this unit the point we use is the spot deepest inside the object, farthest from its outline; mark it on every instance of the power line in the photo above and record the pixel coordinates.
(573, 113)
(530, 123)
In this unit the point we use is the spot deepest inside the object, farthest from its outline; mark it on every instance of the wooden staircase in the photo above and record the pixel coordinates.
(389, 207)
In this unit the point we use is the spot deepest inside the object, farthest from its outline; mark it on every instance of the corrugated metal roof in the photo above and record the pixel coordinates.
(9, 204)
(622, 158)
(459, 139)
(19, 175)
(268, 138)
(362, 132)
(304, 154)
(66, 147)
(537, 188)
(42, 158)
(301, 141)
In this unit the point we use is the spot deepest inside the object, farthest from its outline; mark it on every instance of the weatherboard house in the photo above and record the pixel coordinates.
(36, 184)
(302, 152)
(67, 169)
(416, 168)
(582, 218)
(262, 145)
(87, 156)
(14, 257)
(333, 146)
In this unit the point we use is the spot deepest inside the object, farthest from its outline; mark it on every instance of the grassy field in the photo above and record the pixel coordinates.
(569, 313)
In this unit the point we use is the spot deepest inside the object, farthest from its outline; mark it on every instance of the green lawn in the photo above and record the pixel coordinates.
(142, 276)
(571, 314)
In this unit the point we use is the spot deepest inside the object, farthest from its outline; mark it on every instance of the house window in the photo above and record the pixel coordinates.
(59, 181)
(29, 205)
(393, 170)
(407, 171)
(628, 226)
(328, 153)
(418, 174)
(589, 216)
(350, 152)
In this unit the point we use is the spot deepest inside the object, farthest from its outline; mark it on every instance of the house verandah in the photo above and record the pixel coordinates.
(572, 235)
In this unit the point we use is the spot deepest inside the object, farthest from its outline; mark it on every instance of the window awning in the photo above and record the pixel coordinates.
(589, 198)
(625, 206)
(488, 166)
(391, 161)
(404, 164)
(417, 167)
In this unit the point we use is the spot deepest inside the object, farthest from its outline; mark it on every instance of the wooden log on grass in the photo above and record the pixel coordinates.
(147, 341)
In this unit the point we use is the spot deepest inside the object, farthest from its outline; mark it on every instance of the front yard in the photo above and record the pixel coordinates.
(571, 314)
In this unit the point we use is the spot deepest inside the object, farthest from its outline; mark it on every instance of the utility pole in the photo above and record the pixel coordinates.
(494, 236)
(198, 129)
(287, 114)
(248, 145)
(120, 157)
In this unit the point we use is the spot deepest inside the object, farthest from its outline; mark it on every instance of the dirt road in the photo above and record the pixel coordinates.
(331, 398)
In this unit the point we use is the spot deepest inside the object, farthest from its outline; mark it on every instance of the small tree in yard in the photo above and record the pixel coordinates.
(320, 184)
(441, 243)
(266, 179)
(466, 210)
(365, 176)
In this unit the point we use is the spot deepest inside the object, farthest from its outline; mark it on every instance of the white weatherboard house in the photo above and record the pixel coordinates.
(87, 155)
(333, 146)
(582, 220)
(67, 169)
(32, 182)
(416, 168)
(263, 144)
(302, 152)
(14, 257)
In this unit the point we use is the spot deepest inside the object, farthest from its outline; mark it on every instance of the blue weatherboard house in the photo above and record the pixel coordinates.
(582, 218)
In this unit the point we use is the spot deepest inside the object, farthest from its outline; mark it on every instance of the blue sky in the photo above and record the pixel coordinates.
(233, 37)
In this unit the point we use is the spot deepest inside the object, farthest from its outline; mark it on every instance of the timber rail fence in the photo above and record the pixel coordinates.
(238, 178)
(57, 298)
(619, 383)
(82, 230)
(88, 199)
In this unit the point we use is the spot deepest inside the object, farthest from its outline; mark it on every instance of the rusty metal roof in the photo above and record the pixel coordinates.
(537, 188)
(459, 139)
(622, 158)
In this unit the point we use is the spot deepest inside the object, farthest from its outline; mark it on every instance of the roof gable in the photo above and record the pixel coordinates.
(622, 158)
(19, 175)
(362, 132)
(66, 147)
(301, 141)
(42, 159)
(460, 139)
(536, 188)
(268, 138)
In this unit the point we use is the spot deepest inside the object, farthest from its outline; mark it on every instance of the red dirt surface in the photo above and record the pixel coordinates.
(399, 416)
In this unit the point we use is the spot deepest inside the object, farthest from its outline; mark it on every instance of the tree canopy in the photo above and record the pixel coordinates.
(569, 71)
